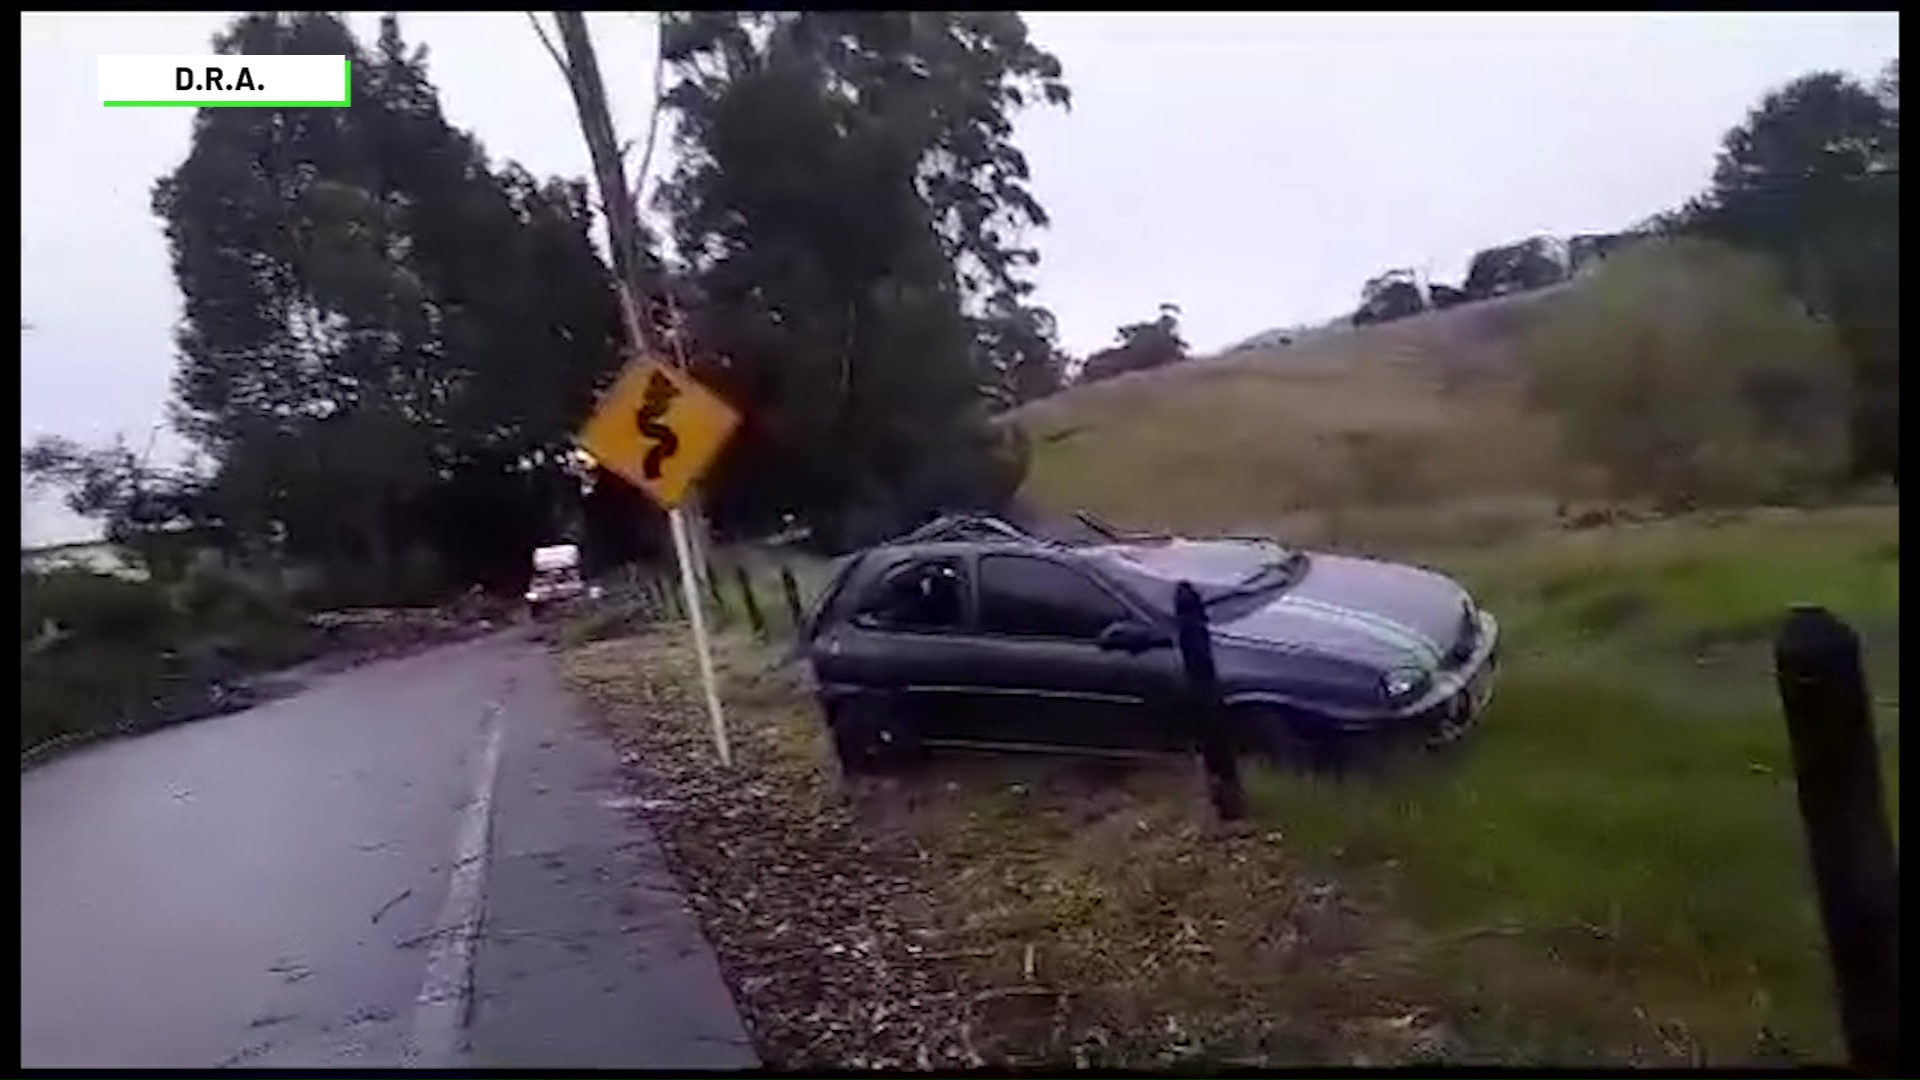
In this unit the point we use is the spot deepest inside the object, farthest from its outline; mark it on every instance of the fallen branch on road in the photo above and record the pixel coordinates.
(391, 904)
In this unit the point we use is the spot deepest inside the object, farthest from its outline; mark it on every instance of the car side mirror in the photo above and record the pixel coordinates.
(1131, 637)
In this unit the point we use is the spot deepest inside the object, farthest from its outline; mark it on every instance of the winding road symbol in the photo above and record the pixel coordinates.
(654, 404)
(658, 429)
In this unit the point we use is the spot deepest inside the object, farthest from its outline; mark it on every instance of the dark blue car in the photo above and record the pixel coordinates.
(975, 632)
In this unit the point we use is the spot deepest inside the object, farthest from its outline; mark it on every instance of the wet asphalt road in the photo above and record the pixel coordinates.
(425, 862)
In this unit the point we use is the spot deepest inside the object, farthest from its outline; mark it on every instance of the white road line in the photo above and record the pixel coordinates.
(446, 993)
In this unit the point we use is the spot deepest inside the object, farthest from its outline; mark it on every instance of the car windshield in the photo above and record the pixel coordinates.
(1223, 572)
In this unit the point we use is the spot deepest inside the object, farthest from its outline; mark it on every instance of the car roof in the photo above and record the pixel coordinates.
(978, 527)
(1173, 559)
(899, 550)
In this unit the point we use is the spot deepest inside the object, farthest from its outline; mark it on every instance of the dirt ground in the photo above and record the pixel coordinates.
(995, 911)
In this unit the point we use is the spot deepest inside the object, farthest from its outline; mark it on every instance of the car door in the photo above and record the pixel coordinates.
(903, 640)
(1041, 677)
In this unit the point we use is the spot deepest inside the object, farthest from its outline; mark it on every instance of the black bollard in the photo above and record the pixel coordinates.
(1836, 766)
(1205, 707)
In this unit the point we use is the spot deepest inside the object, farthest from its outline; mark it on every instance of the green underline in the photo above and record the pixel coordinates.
(227, 104)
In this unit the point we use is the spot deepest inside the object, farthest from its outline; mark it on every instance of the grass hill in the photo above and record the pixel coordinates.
(1613, 869)
(1373, 420)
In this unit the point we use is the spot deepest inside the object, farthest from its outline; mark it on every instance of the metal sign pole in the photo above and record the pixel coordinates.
(620, 207)
(697, 616)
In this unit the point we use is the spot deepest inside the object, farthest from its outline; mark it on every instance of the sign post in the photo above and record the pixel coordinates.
(696, 615)
(660, 431)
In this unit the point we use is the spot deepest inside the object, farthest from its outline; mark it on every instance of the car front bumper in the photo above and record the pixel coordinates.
(1460, 696)
(1450, 706)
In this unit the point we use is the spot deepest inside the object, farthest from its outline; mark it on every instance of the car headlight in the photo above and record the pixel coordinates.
(1402, 683)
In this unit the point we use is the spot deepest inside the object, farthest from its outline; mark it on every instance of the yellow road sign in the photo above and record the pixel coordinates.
(659, 430)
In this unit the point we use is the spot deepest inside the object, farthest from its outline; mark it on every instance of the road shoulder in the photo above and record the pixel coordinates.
(590, 956)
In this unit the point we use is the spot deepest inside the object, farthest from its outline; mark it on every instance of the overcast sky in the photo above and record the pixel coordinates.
(1252, 168)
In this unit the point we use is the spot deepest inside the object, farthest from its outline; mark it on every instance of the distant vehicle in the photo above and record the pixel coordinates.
(976, 631)
(556, 580)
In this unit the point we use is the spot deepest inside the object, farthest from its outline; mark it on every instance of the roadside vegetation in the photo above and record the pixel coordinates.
(1610, 870)
(105, 653)
(1620, 839)
(986, 912)
(1638, 472)
(99, 652)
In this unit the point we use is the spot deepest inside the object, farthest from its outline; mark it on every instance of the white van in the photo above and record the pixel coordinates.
(556, 579)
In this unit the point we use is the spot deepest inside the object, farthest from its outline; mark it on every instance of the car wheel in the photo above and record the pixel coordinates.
(869, 735)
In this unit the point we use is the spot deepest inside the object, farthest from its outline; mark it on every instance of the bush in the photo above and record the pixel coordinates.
(91, 647)
(1684, 372)
(99, 651)
(95, 606)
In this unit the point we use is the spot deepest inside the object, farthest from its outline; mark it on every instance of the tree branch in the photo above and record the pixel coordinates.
(653, 118)
(551, 50)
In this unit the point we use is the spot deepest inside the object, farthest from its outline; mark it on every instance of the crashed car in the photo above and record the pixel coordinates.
(973, 631)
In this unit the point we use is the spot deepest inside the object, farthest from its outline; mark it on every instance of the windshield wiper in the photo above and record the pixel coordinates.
(1288, 569)
(1112, 533)
(1096, 524)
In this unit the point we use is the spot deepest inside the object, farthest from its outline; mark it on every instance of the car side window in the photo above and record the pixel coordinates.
(926, 595)
(1027, 597)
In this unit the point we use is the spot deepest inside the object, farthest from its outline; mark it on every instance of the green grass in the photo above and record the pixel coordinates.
(1624, 820)
(1611, 870)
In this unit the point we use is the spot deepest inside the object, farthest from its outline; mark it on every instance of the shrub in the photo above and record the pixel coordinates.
(92, 645)
(95, 606)
(1685, 372)
(99, 650)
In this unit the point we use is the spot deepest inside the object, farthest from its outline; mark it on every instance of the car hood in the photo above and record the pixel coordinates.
(1381, 614)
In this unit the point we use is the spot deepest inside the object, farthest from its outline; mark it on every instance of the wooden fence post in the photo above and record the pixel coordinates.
(720, 612)
(1205, 706)
(1836, 766)
(791, 589)
(748, 601)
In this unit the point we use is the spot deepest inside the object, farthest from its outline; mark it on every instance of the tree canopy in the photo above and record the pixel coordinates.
(388, 342)
(1812, 180)
(384, 337)
(1143, 345)
(850, 206)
